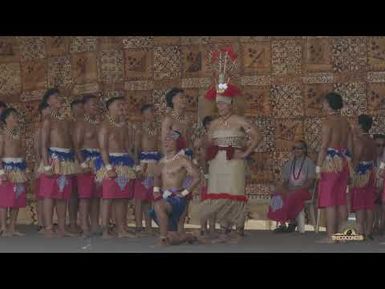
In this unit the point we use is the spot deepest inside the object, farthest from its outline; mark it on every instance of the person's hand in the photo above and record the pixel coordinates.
(48, 172)
(380, 173)
(3, 178)
(239, 155)
(111, 174)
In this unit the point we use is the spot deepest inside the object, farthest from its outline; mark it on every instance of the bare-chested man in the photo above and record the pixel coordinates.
(147, 147)
(77, 110)
(115, 167)
(333, 165)
(44, 112)
(170, 201)
(13, 176)
(226, 197)
(56, 181)
(177, 123)
(87, 151)
(363, 187)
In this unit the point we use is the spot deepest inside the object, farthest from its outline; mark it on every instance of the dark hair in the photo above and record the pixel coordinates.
(3, 104)
(76, 102)
(170, 95)
(334, 100)
(42, 106)
(145, 107)
(87, 97)
(4, 115)
(206, 120)
(379, 136)
(113, 99)
(48, 93)
(304, 144)
(365, 121)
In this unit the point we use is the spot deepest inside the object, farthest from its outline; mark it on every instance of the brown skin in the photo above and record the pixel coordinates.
(364, 150)
(10, 148)
(37, 151)
(55, 133)
(170, 175)
(86, 137)
(73, 204)
(145, 143)
(380, 209)
(168, 123)
(336, 132)
(113, 139)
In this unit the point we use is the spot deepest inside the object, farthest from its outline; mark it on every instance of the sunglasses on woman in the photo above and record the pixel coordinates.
(298, 148)
(381, 145)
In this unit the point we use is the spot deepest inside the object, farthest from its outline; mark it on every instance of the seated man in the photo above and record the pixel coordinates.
(288, 202)
(170, 204)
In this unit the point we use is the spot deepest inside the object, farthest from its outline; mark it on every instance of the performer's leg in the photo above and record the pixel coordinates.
(106, 209)
(369, 223)
(3, 220)
(39, 213)
(360, 218)
(147, 218)
(94, 214)
(12, 224)
(331, 221)
(120, 207)
(61, 211)
(342, 217)
(48, 205)
(162, 210)
(138, 214)
(73, 207)
(182, 219)
(84, 208)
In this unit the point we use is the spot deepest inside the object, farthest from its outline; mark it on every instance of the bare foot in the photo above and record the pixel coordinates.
(221, 239)
(74, 229)
(6, 233)
(65, 233)
(125, 234)
(16, 233)
(106, 235)
(49, 233)
(191, 239)
(162, 243)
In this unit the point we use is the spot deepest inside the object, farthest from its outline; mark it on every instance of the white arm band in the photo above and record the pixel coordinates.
(47, 168)
(108, 167)
(382, 165)
(185, 193)
(317, 169)
(2, 172)
(84, 165)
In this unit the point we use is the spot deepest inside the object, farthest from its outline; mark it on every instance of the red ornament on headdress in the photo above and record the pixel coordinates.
(231, 91)
(222, 87)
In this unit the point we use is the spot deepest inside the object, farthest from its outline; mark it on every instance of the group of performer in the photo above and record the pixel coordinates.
(92, 164)
(89, 165)
(348, 177)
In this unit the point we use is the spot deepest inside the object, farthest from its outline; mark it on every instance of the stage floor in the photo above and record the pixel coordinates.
(258, 241)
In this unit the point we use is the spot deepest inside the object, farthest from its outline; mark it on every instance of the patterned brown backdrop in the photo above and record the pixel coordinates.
(283, 79)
